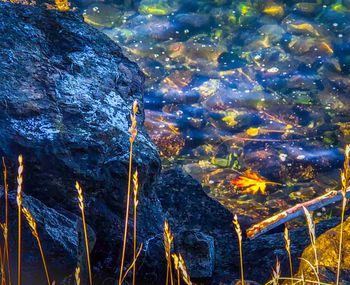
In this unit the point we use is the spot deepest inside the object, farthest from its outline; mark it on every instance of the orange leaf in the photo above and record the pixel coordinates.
(252, 183)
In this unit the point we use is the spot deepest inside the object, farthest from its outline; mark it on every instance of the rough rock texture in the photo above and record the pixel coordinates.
(199, 248)
(66, 92)
(188, 208)
(327, 246)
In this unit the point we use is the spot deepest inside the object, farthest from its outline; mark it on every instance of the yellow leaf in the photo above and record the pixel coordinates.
(252, 132)
(251, 182)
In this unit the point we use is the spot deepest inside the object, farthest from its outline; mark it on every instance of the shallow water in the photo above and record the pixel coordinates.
(242, 85)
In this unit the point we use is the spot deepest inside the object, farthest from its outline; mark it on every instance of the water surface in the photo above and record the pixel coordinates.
(233, 86)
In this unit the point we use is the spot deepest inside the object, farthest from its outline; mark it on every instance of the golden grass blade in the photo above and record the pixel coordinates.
(5, 230)
(82, 207)
(313, 268)
(239, 235)
(345, 176)
(132, 264)
(168, 239)
(136, 202)
(133, 132)
(32, 225)
(3, 280)
(312, 235)
(77, 275)
(19, 203)
(276, 273)
(287, 242)
(177, 268)
(184, 273)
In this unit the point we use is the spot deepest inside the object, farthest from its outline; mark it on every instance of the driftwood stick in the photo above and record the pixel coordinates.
(294, 212)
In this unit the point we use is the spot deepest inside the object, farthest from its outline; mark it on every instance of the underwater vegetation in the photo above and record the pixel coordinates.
(236, 86)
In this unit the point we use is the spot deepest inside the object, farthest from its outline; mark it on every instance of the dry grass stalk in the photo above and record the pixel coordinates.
(82, 207)
(313, 268)
(276, 273)
(136, 202)
(5, 228)
(176, 264)
(133, 262)
(3, 280)
(184, 273)
(345, 176)
(77, 275)
(239, 235)
(133, 132)
(312, 234)
(19, 203)
(32, 225)
(168, 239)
(287, 243)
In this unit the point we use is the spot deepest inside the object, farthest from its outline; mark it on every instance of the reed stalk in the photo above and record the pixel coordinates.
(276, 273)
(287, 244)
(345, 176)
(32, 225)
(312, 235)
(239, 235)
(82, 207)
(184, 273)
(136, 202)
(5, 230)
(168, 239)
(19, 203)
(133, 132)
(313, 268)
(3, 280)
(177, 268)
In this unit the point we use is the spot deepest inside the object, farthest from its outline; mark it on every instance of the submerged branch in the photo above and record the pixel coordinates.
(294, 212)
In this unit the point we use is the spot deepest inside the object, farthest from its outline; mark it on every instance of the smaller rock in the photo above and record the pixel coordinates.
(197, 250)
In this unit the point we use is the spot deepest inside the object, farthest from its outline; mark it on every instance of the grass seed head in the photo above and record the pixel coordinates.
(168, 239)
(136, 187)
(133, 128)
(176, 261)
(20, 180)
(183, 269)
(237, 227)
(80, 195)
(287, 239)
(276, 273)
(31, 222)
(77, 275)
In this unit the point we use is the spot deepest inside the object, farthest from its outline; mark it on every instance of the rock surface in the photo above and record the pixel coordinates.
(66, 91)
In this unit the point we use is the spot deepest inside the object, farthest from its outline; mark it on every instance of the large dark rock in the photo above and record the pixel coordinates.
(66, 92)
